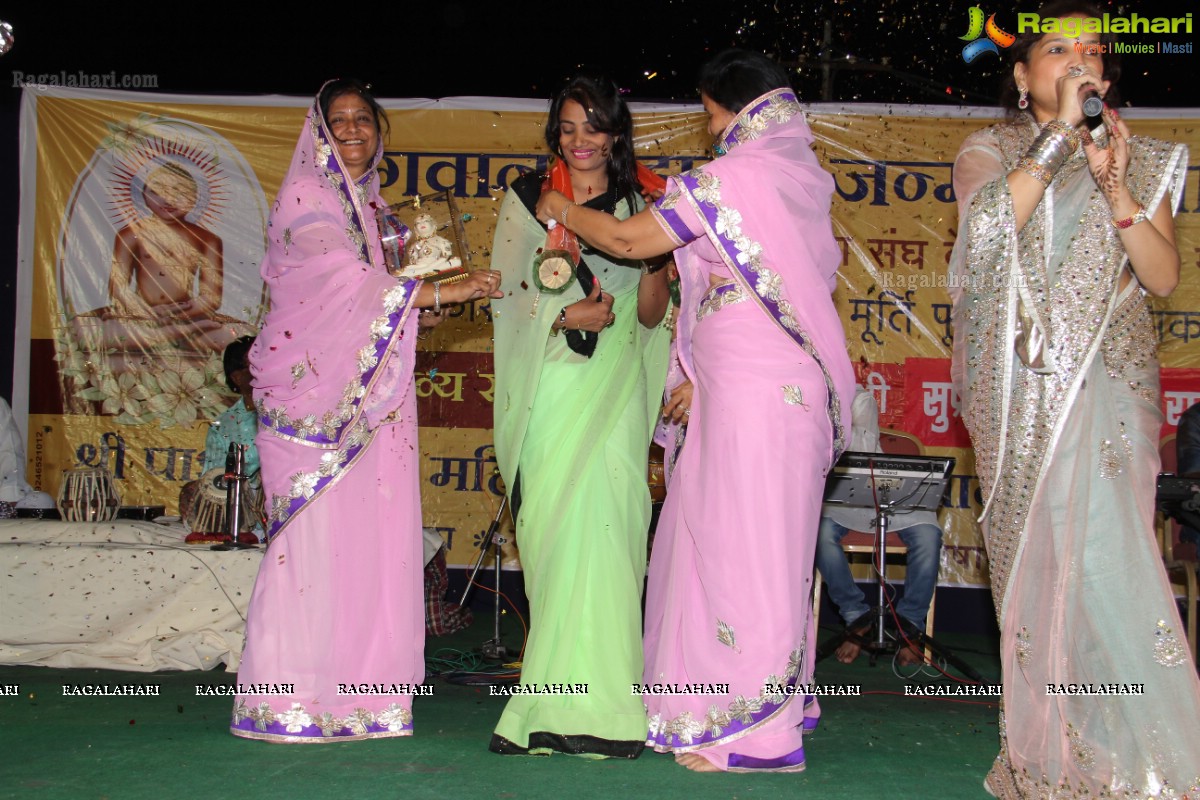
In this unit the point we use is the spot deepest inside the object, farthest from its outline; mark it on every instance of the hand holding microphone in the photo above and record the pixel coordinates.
(1092, 103)
(1078, 95)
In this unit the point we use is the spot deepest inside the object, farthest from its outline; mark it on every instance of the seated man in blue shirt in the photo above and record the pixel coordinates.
(237, 424)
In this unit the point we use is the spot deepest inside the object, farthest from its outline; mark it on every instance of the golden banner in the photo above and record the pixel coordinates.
(148, 226)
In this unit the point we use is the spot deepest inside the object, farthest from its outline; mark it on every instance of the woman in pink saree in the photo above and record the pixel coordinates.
(335, 631)
(729, 599)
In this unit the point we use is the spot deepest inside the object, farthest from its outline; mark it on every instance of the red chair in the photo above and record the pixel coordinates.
(896, 443)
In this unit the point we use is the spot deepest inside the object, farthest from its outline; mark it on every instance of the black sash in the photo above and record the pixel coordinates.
(529, 189)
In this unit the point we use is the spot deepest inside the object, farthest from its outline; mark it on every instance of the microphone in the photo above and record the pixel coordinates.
(1092, 104)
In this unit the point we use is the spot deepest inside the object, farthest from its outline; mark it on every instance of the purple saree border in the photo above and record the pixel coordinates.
(733, 730)
(670, 217)
(333, 166)
(396, 318)
(275, 730)
(298, 503)
(729, 139)
(791, 762)
(741, 267)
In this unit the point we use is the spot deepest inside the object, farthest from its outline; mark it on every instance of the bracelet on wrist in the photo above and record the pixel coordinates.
(1047, 154)
(437, 298)
(563, 216)
(1036, 170)
(562, 322)
(1138, 216)
(1068, 130)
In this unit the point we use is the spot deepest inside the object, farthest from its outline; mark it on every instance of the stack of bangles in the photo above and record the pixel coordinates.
(1049, 151)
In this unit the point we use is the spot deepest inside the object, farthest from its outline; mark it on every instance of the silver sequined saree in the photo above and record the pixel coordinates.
(1057, 367)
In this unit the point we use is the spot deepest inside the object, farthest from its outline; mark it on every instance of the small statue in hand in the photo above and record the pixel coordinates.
(428, 251)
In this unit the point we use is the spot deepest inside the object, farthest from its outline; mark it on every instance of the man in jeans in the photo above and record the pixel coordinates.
(917, 529)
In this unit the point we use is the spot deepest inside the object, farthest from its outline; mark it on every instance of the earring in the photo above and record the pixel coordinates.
(1023, 102)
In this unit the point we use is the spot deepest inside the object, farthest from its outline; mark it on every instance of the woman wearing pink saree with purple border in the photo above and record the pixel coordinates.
(729, 598)
(335, 629)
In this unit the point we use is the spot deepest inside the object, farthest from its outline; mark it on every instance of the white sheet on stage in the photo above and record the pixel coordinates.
(120, 595)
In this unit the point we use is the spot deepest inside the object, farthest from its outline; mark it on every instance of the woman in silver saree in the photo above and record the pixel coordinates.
(1060, 235)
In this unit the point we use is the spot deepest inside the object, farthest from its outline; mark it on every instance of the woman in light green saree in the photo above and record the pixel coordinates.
(580, 367)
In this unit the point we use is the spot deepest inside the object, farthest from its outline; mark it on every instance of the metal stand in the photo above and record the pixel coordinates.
(884, 643)
(235, 462)
(493, 648)
(879, 556)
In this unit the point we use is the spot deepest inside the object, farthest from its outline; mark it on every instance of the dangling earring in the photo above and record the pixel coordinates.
(1023, 103)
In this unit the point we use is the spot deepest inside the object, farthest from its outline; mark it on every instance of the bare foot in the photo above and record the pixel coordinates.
(849, 649)
(695, 762)
(847, 652)
(907, 656)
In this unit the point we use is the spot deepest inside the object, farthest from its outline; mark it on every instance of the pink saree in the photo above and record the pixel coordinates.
(335, 634)
(729, 611)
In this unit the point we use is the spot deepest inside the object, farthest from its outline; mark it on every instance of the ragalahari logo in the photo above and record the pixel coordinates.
(996, 38)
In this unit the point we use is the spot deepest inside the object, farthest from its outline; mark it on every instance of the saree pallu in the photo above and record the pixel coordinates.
(335, 630)
(575, 432)
(729, 606)
(1100, 695)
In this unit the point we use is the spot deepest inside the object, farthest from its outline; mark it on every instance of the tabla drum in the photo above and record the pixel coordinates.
(207, 514)
(88, 495)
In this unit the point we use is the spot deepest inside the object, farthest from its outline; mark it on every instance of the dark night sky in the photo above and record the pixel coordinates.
(895, 52)
(476, 47)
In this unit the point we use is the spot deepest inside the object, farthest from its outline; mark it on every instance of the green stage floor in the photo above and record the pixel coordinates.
(880, 744)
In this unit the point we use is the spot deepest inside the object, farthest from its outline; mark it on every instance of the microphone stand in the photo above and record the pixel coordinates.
(493, 648)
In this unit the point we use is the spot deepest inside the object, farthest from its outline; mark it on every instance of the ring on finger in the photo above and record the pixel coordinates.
(1076, 71)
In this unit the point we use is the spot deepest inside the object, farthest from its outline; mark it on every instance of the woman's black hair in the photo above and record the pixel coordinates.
(1018, 53)
(734, 78)
(607, 113)
(340, 86)
(234, 358)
